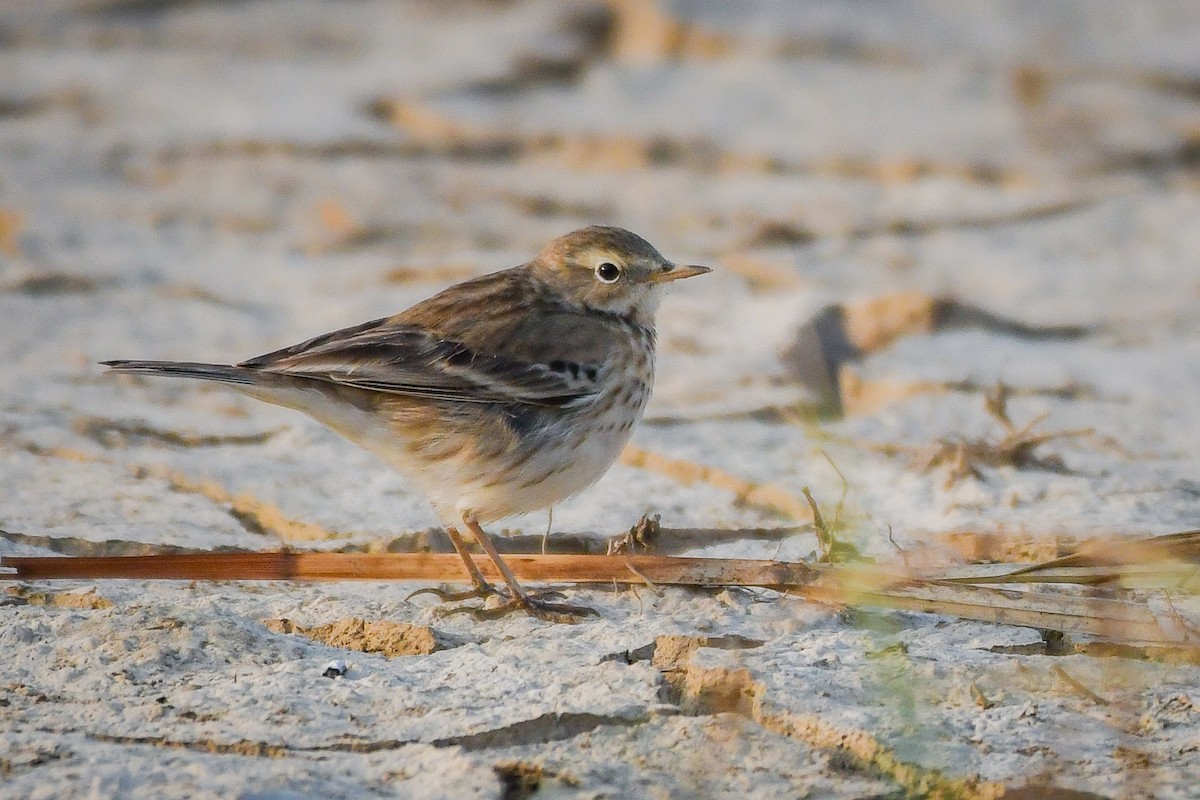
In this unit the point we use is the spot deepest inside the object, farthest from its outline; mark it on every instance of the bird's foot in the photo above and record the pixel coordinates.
(537, 606)
(482, 590)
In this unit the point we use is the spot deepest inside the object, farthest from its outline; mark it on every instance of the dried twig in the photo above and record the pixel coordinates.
(1079, 687)
(662, 570)
(824, 536)
(833, 550)
(1118, 620)
(1165, 562)
(640, 537)
(649, 583)
(841, 503)
(855, 584)
(964, 458)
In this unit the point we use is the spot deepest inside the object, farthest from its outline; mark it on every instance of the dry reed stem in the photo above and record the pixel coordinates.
(849, 585)
(661, 570)
(1171, 561)
(858, 585)
(1117, 620)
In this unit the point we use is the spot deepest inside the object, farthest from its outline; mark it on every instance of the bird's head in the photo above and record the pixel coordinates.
(608, 269)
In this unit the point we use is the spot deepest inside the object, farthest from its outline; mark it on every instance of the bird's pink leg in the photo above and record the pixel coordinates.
(460, 547)
(482, 587)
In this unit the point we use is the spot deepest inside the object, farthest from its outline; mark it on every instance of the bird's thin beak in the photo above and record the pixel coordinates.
(675, 273)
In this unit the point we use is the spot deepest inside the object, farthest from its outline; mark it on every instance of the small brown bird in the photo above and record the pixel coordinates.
(500, 395)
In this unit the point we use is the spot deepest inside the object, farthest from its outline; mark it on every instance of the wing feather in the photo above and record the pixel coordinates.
(398, 358)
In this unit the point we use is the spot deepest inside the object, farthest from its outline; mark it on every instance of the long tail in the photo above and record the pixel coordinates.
(348, 411)
(189, 369)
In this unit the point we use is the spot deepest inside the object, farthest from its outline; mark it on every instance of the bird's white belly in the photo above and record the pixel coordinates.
(561, 460)
(573, 460)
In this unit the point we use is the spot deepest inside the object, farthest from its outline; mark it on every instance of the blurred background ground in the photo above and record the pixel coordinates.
(212, 180)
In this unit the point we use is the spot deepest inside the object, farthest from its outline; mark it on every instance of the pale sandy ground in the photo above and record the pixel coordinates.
(211, 180)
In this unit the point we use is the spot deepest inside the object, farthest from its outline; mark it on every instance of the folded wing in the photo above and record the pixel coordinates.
(386, 355)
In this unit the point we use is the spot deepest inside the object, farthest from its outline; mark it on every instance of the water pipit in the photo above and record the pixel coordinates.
(500, 395)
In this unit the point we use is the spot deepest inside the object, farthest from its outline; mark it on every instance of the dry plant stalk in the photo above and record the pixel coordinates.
(855, 584)
(832, 549)
(1117, 620)
(964, 458)
(1079, 687)
(640, 537)
(287, 565)
(851, 584)
(1160, 562)
(825, 538)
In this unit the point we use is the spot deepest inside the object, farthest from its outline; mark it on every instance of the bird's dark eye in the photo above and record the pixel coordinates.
(608, 272)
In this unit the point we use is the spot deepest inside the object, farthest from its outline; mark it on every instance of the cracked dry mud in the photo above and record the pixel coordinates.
(213, 180)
